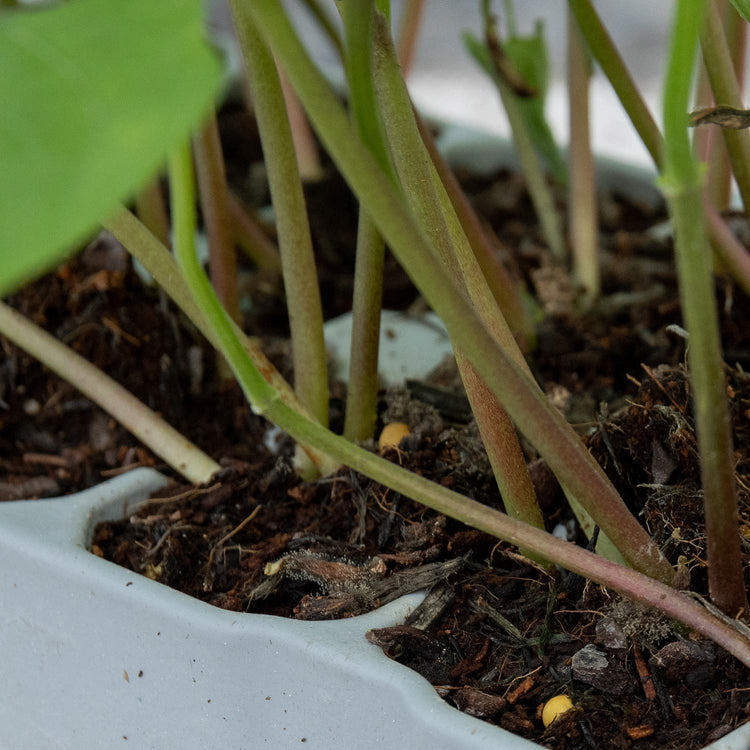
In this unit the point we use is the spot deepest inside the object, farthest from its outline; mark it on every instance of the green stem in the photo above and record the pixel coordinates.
(543, 425)
(730, 251)
(320, 14)
(628, 582)
(428, 202)
(721, 73)
(582, 214)
(251, 239)
(503, 288)
(536, 182)
(295, 244)
(149, 205)
(408, 29)
(212, 182)
(160, 263)
(361, 399)
(134, 415)
(682, 181)
(719, 173)
(362, 388)
(305, 147)
(605, 53)
(610, 61)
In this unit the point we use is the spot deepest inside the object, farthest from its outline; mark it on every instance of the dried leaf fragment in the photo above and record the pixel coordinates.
(724, 117)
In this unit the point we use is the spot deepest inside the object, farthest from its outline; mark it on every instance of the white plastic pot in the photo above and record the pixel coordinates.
(95, 656)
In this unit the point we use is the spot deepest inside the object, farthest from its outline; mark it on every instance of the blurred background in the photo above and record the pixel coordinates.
(446, 82)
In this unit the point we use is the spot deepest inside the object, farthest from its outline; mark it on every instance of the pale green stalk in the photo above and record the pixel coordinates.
(149, 205)
(730, 251)
(362, 387)
(305, 148)
(362, 390)
(295, 244)
(629, 583)
(611, 63)
(160, 263)
(682, 181)
(251, 239)
(721, 73)
(134, 415)
(408, 30)
(602, 48)
(326, 24)
(720, 177)
(505, 291)
(429, 203)
(582, 211)
(709, 142)
(543, 425)
(212, 181)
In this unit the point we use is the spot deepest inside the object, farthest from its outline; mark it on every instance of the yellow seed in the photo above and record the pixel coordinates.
(392, 435)
(555, 707)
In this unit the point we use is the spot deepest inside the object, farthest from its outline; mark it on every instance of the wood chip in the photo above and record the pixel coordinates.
(646, 681)
(520, 690)
(639, 732)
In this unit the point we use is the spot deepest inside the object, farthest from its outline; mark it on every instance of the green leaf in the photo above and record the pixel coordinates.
(93, 95)
(742, 7)
(528, 56)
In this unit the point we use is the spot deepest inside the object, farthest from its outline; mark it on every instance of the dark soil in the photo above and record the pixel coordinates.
(498, 635)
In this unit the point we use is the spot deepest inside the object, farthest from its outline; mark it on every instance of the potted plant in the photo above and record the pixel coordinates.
(408, 199)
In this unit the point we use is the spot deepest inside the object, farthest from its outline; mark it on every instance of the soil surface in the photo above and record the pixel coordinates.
(497, 635)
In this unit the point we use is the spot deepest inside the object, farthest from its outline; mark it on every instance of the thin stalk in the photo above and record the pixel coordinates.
(295, 244)
(610, 61)
(421, 186)
(721, 73)
(408, 30)
(134, 415)
(250, 238)
(362, 392)
(212, 182)
(731, 252)
(362, 388)
(682, 181)
(539, 190)
(582, 211)
(305, 147)
(709, 147)
(543, 425)
(152, 211)
(634, 585)
(325, 22)
(602, 48)
(160, 263)
(503, 288)
(702, 140)
(708, 143)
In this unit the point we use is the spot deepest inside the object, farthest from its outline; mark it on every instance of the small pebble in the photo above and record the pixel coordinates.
(693, 662)
(610, 635)
(600, 670)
